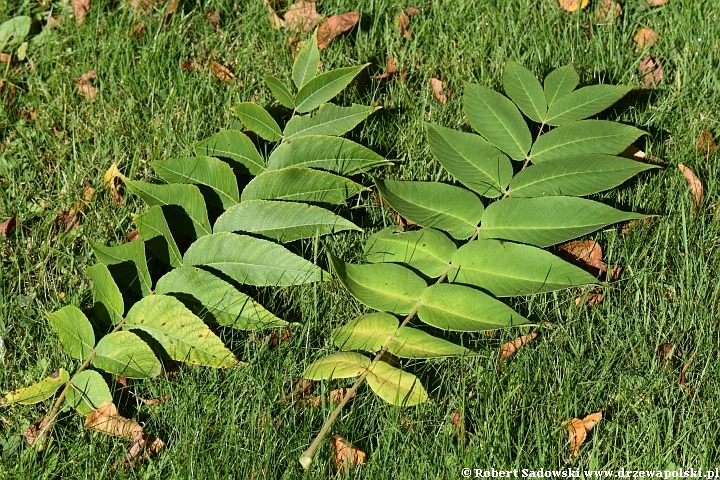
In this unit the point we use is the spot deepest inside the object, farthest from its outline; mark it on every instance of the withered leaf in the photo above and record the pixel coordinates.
(578, 430)
(132, 236)
(656, 3)
(412, 11)
(7, 227)
(113, 181)
(302, 17)
(334, 26)
(592, 299)
(4, 58)
(706, 143)
(682, 380)
(213, 18)
(68, 220)
(80, 9)
(634, 153)
(139, 29)
(275, 20)
(172, 7)
(644, 37)
(669, 353)
(390, 70)
(572, 5)
(221, 72)
(346, 455)
(586, 254)
(336, 396)
(31, 433)
(300, 389)
(152, 402)
(508, 349)
(402, 22)
(652, 71)
(143, 447)
(85, 87)
(608, 11)
(696, 186)
(106, 419)
(437, 88)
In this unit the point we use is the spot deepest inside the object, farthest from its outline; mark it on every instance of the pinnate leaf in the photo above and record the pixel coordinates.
(366, 333)
(300, 185)
(396, 386)
(124, 354)
(410, 342)
(337, 365)
(525, 90)
(75, 331)
(127, 262)
(258, 120)
(559, 83)
(154, 229)
(583, 103)
(280, 91)
(37, 392)
(306, 63)
(329, 120)
(235, 147)
(88, 390)
(207, 172)
(334, 154)
(325, 87)
(107, 299)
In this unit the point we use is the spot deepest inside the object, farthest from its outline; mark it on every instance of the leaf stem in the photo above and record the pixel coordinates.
(527, 160)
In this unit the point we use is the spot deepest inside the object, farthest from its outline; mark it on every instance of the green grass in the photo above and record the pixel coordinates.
(231, 424)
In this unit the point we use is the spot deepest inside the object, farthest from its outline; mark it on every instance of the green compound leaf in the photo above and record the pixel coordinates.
(37, 392)
(88, 390)
(251, 260)
(236, 148)
(508, 269)
(427, 251)
(385, 286)
(560, 82)
(334, 154)
(395, 386)
(281, 221)
(465, 309)
(306, 63)
(258, 120)
(329, 120)
(583, 138)
(337, 365)
(575, 176)
(584, 102)
(153, 228)
(219, 301)
(127, 262)
(410, 342)
(525, 90)
(497, 119)
(324, 87)
(183, 336)
(213, 174)
(367, 333)
(107, 299)
(471, 160)
(185, 205)
(431, 204)
(75, 331)
(546, 221)
(301, 185)
(280, 91)
(125, 354)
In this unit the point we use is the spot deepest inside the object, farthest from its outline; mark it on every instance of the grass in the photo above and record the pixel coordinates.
(231, 424)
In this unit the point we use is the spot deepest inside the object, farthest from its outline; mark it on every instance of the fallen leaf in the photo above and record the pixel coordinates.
(80, 9)
(669, 353)
(696, 186)
(7, 227)
(592, 299)
(645, 37)
(346, 455)
(272, 340)
(437, 88)
(213, 18)
(608, 11)
(412, 11)
(113, 181)
(172, 7)
(578, 430)
(31, 433)
(275, 20)
(88, 193)
(572, 5)
(106, 419)
(586, 254)
(221, 72)
(336, 396)
(681, 379)
(652, 71)
(85, 87)
(390, 70)
(706, 143)
(139, 29)
(143, 6)
(634, 153)
(152, 402)
(302, 17)
(132, 236)
(402, 22)
(191, 64)
(69, 220)
(334, 26)
(143, 447)
(53, 22)
(4, 58)
(508, 349)
(299, 390)
(656, 3)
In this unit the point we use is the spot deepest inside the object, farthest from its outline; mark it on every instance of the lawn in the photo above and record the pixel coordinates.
(232, 423)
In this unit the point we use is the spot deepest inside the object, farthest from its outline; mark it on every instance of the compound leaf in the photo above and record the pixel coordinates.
(107, 299)
(337, 365)
(329, 120)
(525, 90)
(235, 147)
(75, 331)
(208, 172)
(37, 392)
(583, 103)
(395, 386)
(88, 390)
(427, 250)
(301, 184)
(324, 87)
(560, 82)
(153, 228)
(366, 333)
(306, 63)
(124, 354)
(258, 120)
(129, 264)
(410, 342)
(280, 91)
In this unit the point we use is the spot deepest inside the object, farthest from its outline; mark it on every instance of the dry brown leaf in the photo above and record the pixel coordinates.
(4, 58)
(132, 236)
(508, 349)
(53, 22)
(80, 9)
(143, 6)
(139, 29)
(85, 87)
(652, 71)
(390, 70)
(88, 193)
(143, 447)
(152, 402)
(572, 5)
(334, 26)
(681, 379)
(437, 88)
(302, 17)
(300, 389)
(669, 353)
(346, 455)
(336, 396)
(7, 227)
(656, 3)
(402, 22)
(586, 254)
(696, 186)
(608, 11)
(113, 181)
(412, 11)
(213, 18)
(275, 20)
(172, 7)
(106, 419)
(592, 299)
(645, 37)
(578, 430)
(634, 153)
(221, 72)
(67, 221)
(31, 433)
(591, 420)
(706, 143)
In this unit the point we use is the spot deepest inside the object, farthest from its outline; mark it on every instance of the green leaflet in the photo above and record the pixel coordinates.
(235, 147)
(186, 211)
(306, 63)
(432, 204)
(383, 286)
(14, 31)
(546, 221)
(582, 138)
(281, 221)
(508, 269)
(329, 120)
(128, 264)
(209, 172)
(583, 103)
(88, 390)
(410, 342)
(525, 90)
(252, 261)
(396, 386)
(220, 302)
(560, 82)
(497, 119)
(464, 309)
(75, 331)
(337, 365)
(300, 184)
(280, 91)
(258, 120)
(428, 251)
(367, 333)
(37, 392)
(334, 154)
(124, 354)
(183, 336)
(324, 87)
(575, 176)
(107, 299)
(471, 160)
(154, 230)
